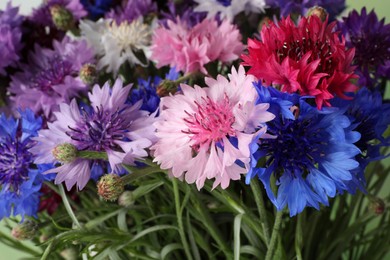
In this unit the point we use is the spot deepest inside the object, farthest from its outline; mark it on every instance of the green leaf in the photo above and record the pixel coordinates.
(237, 242)
(169, 249)
(145, 189)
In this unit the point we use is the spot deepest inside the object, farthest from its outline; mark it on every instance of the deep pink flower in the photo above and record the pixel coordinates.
(189, 49)
(204, 132)
(308, 58)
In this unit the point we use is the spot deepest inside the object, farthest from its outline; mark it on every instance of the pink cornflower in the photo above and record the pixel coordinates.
(190, 49)
(308, 58)
(204, 132)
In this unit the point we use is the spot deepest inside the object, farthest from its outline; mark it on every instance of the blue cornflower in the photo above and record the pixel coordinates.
(371, 119)
(20, 182)
(97, 8)
(371, 40)
(311, 156)
(147, 91)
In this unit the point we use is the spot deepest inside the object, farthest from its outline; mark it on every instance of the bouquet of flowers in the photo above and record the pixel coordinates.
(199, 129)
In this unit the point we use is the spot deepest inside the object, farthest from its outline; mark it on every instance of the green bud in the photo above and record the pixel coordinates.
(110, 187)
(126, 199)
(24, 231)
(318, 11)
(65, 153)
(62, 17)
(88, 74)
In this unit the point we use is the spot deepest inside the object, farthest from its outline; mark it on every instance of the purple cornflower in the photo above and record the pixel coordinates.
(371, 40)
(120, 130)
(131, 10)
(43, 14)
(185, 11)
(10, 37)
(51, 76)
(97, 8)
(20, 183)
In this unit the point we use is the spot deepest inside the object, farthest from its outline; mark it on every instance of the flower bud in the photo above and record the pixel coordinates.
(88, 73)
(65, 153)
(318, 11)
(110, 186)
(166, 87)
(24, 231)
(377, 206)
(126, 199)
(62, 17)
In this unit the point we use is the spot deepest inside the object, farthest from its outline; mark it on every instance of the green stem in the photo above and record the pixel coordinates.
(298, 237)
(138, 172)
(274, 236)
(180, 220)
(211, 226)
(92, 155)
(67, 206)
(258, 195)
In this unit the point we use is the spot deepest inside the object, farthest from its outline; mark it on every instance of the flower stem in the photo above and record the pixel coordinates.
(136, 173)
(298, 237)
(274, 236)
(258, 194)
(92, 155)
(180, 220)
(67, 206)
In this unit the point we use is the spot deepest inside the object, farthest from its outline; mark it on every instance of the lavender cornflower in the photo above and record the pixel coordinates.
(131, 10)
(111, 126)
(10, 38)
(51, 76)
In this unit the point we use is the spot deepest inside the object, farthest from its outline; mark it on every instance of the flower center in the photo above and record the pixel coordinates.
(99, 130)
(211, 122)
(225, 2)
(54, 74)
(134, 35)
(295, 147)
(295, 50)
(14, 163)
(371, 52)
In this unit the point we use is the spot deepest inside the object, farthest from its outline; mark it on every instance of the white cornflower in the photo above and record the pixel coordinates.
(116, 44)
(229, 8)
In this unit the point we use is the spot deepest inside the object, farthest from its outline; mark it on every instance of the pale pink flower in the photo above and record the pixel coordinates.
(190, 49)
(203, 132)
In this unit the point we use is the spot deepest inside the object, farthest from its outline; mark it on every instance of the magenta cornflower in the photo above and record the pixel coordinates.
(309, 58)
(211, 128)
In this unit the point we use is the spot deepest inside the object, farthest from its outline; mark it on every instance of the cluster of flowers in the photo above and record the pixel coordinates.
(306, 118)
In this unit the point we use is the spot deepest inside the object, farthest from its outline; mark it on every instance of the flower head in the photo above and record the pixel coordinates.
(371, 40)
(308, 58)
(210, 128)
(229, 8)
(10, 39)
(51, 76)
(312, 154)
(19, 181)
(117, 43)
(120, 130)
(132, 10)
(190, 49)
(371, 118)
